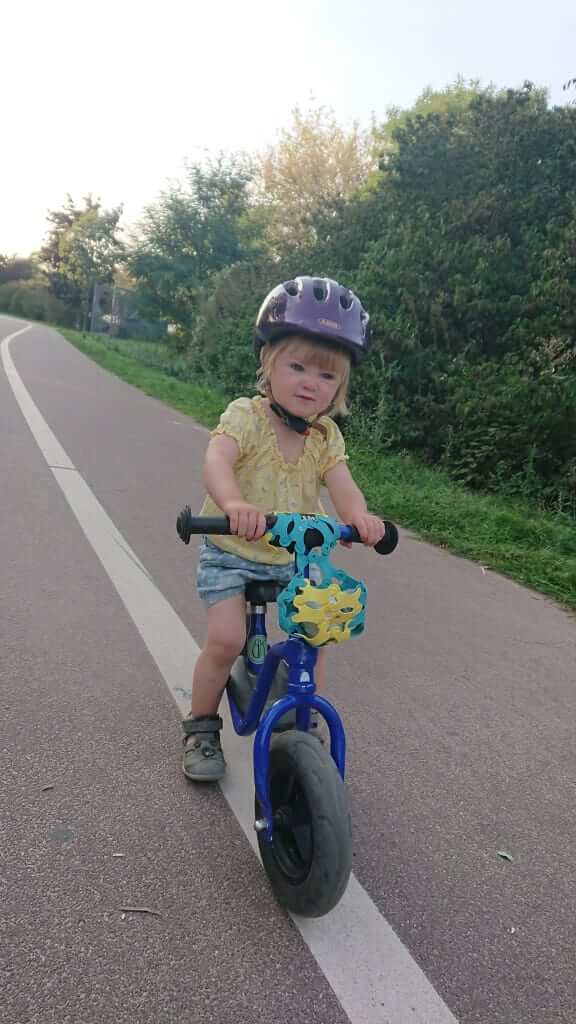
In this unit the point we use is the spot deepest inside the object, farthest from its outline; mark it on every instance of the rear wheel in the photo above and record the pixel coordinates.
(309, 859)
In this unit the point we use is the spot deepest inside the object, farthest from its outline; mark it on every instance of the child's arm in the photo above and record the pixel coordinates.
(350, 504)
(221, 456)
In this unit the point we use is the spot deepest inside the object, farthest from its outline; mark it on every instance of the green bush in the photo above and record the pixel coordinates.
(513, 430)
(33, 301)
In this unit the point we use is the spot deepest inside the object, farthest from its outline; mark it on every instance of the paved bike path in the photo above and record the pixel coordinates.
(459, 720)
(85, 711)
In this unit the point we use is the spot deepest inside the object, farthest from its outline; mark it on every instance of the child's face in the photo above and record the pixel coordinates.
(302, 382)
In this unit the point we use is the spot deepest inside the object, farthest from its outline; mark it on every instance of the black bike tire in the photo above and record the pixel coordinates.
(324, 880)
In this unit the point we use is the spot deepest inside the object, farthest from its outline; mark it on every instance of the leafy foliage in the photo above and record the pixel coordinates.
(193, 230)
(82, 248)
(315, 164)
(473, 264)
(24, 292)
(33, 300)
(454, 221)
(463, 247)
(16, 269)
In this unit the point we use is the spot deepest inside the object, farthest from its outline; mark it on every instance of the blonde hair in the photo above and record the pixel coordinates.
(320, 354)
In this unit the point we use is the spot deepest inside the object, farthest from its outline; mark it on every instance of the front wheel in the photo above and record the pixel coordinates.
(309, 859)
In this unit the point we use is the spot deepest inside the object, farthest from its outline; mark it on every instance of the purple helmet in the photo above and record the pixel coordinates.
(317, 307)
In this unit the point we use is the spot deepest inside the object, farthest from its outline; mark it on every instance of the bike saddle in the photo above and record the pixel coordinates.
(263, 591)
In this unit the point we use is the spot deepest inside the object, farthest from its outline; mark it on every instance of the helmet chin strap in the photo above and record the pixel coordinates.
(297, 423)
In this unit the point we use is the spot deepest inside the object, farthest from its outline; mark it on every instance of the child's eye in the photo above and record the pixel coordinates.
(296, 366)
(329, 376)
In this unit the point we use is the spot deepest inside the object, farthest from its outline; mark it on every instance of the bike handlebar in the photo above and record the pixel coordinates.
(187, 524)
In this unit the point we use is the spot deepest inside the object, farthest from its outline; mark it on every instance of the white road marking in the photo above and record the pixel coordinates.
(369, 969)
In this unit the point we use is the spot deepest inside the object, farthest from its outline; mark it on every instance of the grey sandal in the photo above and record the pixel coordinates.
(203, 758)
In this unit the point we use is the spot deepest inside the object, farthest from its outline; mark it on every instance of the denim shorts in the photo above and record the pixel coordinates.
(222, 574)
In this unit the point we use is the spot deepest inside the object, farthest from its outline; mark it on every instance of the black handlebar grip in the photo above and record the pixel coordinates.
(187, 524)
(183, 527)
(388, 543)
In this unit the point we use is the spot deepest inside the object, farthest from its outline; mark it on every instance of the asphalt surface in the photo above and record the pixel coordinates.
(459, 703)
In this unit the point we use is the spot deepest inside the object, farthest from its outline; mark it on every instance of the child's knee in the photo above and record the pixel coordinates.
(226, 648)
(226, 636)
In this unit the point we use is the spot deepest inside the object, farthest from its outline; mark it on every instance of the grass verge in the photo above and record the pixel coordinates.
(535, 548)
(141, 364)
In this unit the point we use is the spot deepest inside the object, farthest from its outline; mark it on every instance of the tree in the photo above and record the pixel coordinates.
(314, 166)
(81, 250)
(463, 248)
(24, 292)
(455, 98)
(17, 268)
(474, 264)
(196, 228)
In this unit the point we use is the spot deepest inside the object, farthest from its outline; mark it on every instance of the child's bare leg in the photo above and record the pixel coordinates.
(203, 757)
(225, 640)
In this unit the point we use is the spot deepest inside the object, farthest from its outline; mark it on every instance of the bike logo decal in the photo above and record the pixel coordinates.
(257, 649)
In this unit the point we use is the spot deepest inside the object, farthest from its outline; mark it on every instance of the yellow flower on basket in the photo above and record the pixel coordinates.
(326, 613)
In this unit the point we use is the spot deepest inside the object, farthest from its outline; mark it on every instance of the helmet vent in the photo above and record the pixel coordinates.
(320, 291)
(291, 287)
(346, 300)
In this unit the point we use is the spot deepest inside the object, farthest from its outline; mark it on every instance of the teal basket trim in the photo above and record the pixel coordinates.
(288, 532)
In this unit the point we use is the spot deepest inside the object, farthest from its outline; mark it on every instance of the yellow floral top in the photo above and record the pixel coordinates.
(267, 480)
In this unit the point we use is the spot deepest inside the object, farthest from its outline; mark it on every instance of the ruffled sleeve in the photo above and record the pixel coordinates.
(237, 421)
(333, 449)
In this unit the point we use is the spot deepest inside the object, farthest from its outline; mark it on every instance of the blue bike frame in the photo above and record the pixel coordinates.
(301, 660)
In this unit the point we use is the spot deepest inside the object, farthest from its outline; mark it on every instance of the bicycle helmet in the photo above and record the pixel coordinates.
(318, 308)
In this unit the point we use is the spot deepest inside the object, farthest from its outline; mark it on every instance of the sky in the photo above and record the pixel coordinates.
(112, 98)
